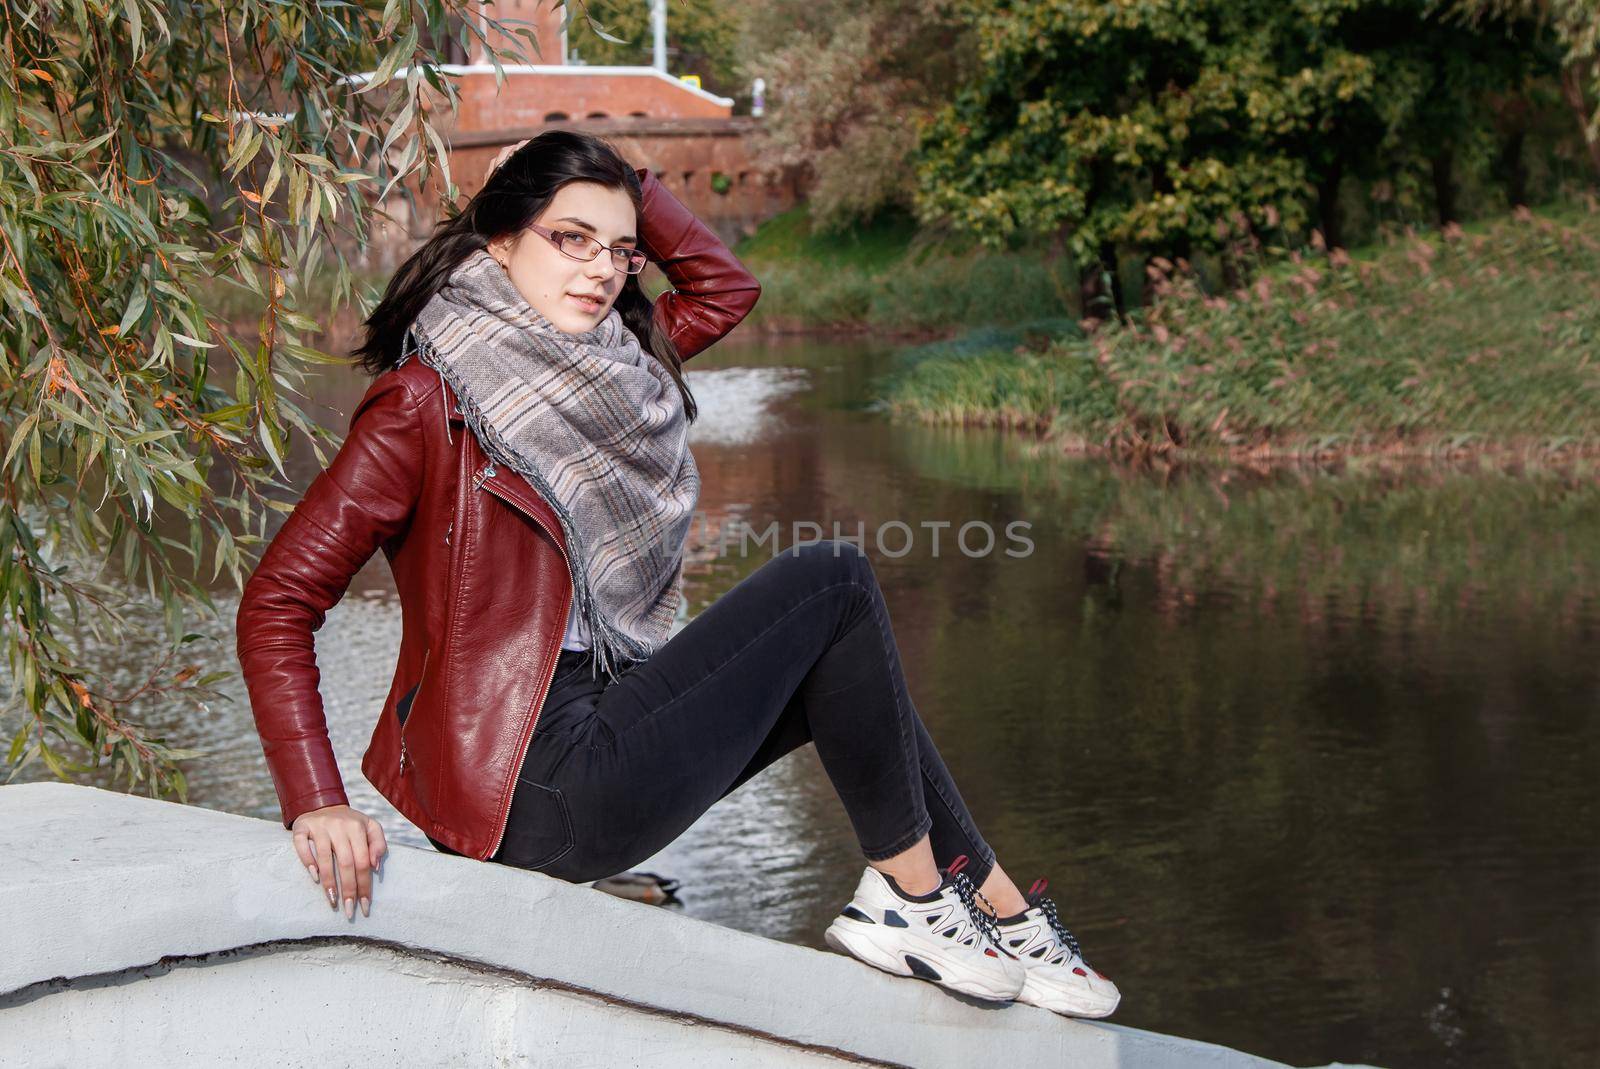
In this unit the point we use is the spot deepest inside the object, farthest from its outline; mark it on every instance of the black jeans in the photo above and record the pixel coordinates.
(799, 651)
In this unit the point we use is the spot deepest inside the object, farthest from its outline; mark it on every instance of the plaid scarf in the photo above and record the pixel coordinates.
(595, 424)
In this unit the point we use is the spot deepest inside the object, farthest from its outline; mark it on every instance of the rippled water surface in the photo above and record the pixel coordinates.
(1311, 760)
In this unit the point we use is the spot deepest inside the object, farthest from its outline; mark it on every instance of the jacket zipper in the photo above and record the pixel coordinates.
(421, 676)
(479, 481)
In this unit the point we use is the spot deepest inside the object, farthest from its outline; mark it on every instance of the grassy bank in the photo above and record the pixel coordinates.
(1455, 342)
(888, 278)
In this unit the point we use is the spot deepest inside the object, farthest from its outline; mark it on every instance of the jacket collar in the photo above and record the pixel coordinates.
(506, 484)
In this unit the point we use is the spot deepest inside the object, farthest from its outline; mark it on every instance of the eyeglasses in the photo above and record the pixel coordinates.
(629, 261)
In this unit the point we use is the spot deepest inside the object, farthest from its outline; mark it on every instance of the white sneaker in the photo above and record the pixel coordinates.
(941, 936)
(1058, 978)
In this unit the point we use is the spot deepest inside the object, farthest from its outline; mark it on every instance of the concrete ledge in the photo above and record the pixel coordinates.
(141, 926)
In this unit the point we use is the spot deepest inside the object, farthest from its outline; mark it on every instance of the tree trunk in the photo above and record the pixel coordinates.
(1444, 186)
(1514, 168)
(1328, 210)
(1108, 266)
(1232, 277)
(1102, 286)
(1513, 113)
(1572, 78)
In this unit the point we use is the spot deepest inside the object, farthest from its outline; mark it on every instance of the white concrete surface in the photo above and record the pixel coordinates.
(125, 919)
(354, 1003)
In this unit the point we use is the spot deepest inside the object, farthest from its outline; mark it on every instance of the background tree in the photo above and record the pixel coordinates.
(1442, 95)
(1133, 125)
(1576, 27)
(702, 38)
(159, 160)
(852, 82)
(1159, 128)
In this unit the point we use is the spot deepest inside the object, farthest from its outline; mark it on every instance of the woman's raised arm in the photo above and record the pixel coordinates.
(711, 290)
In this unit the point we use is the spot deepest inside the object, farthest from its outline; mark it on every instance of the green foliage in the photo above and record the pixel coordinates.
(1576, 27)
(1459, 342)
(150, 155)
(1154, 125)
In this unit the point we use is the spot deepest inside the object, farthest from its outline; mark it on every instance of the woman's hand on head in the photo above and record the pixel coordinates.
(505, 154)
(339, 841)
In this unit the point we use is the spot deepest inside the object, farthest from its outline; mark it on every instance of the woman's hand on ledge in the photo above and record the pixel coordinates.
(338, 837)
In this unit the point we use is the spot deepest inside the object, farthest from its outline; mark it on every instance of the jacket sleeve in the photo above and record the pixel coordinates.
(365, 497)
(711, 290)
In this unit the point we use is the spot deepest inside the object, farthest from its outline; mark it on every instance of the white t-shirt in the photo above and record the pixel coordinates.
(577, 636)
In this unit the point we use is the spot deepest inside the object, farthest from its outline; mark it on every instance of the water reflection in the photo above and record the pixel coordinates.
(1309, 758)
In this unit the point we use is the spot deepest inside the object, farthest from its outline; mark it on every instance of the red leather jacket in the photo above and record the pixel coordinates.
(480, 564)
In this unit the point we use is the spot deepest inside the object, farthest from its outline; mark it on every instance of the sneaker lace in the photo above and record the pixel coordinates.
(967, 893)
(1065, 937)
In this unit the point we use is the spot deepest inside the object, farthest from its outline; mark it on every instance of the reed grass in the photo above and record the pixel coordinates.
(1438, 344)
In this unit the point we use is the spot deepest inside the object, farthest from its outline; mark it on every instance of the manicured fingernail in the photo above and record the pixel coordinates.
(314, 877)
(366, 907)
(333, 902)
(349, 909)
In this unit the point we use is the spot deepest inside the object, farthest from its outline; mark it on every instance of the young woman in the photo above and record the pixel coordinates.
(520, 458)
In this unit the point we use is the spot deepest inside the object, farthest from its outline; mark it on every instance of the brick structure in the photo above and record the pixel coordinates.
(691, 139)
(534, 95)
(705, 162)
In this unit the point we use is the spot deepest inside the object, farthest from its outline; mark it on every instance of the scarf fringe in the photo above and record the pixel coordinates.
(611, 645)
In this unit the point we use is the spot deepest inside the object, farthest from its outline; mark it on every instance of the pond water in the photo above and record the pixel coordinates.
(1310, 759)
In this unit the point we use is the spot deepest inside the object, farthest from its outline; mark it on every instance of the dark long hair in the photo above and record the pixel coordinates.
(512, 198)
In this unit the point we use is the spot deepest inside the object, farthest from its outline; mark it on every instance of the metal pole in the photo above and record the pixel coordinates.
(658, 23)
